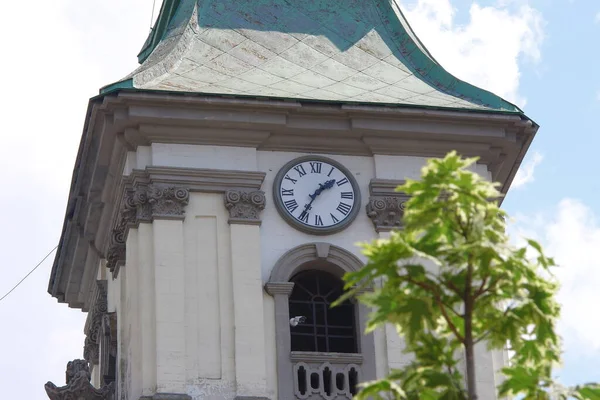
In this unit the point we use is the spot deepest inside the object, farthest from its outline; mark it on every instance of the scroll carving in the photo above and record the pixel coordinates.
(144, 204)
(245, 207)
(91, 349)
(386, 212)
(78, 385)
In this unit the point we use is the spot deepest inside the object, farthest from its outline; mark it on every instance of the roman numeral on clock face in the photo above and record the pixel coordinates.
(291, 205)
(300, 170)
(287, 192)
(315, 167)
(342, 181)
(344, 208)
(304, 216)
(347, 195)
(318, 220)
(334, 219)
(291, 179)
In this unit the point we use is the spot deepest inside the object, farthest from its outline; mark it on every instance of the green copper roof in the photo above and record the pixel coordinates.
(331, 50)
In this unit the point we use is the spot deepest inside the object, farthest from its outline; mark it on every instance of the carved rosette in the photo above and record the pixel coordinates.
(386, 212)
(78, 385)
(245, 207)
(93, 325)
(143, 204)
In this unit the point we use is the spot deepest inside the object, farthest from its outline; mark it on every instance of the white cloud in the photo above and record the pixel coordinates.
(571, 234)
(488, 49)
(525, 174)
(597, 18)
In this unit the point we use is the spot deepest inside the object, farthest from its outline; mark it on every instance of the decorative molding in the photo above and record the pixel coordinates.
(143, 203)
(294, 260)
(275, 288)
(163, 193)
(342, 358)
(385, 187)
(386, 205)
(78, 385)
(93, 324)
(245, 207)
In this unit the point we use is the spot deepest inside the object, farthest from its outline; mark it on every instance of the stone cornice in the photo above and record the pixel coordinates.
(386, 206)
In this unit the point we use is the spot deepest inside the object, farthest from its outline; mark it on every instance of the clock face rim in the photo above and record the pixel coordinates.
(307, 228)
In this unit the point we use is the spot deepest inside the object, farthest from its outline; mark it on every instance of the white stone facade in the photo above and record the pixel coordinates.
(192, 313)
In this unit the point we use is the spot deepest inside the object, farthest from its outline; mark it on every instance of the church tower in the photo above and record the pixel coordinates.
(221, 187)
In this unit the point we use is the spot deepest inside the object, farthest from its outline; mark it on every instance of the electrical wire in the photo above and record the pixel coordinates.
(30, 272)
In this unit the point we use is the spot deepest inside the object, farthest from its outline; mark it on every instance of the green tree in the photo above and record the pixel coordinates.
(451, 279)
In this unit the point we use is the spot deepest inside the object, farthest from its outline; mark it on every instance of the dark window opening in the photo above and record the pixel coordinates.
(325, 329)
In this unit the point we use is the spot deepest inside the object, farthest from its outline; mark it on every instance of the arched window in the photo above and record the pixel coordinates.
(324, 329)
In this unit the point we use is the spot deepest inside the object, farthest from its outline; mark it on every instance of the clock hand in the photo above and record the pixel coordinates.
(327, 185)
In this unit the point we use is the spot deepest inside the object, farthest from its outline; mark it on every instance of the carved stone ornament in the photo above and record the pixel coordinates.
(245, 207)
(78, 385)
(143, 204)
(93, 325)
(386, 212)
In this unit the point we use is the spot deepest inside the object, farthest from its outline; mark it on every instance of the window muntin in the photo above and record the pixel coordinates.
(326, 329)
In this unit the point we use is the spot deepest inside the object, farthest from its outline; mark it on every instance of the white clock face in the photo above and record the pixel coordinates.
(317, 194)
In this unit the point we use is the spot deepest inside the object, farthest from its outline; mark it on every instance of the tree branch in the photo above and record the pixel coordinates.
(441, 304)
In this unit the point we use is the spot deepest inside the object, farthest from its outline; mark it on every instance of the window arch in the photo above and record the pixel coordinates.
(323, 329)
(328, 374)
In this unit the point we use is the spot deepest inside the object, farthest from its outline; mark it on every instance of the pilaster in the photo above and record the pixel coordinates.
(170, 304)
(250, 361)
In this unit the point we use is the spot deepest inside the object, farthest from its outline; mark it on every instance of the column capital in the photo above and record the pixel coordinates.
(245, 206)
(386, 206)
(143, 203)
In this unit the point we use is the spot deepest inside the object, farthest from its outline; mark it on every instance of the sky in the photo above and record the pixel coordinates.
(58, 54)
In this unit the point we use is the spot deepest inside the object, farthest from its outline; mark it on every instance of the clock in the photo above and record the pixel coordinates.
(316, 195)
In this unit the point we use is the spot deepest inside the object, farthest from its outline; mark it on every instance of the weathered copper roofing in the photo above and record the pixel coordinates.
(359, 51)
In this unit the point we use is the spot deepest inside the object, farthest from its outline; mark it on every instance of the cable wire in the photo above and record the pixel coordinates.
(30, 272)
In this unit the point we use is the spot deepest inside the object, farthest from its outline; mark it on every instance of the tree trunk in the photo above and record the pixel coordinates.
(469, 345)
